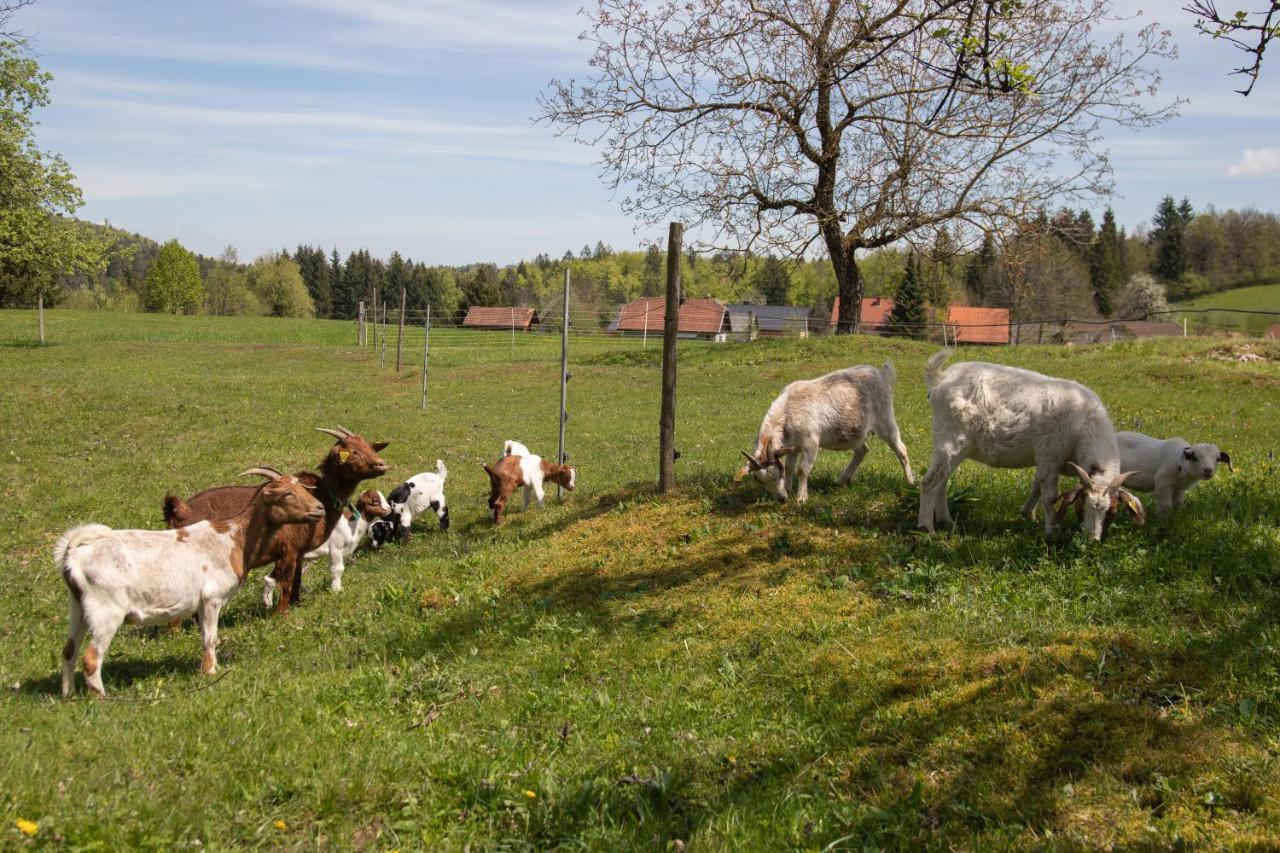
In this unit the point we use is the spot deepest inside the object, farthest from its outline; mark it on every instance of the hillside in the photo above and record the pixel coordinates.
(1263, 297)
(620, 671)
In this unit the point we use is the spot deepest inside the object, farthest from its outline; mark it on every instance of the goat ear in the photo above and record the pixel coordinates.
(1082, 474)
(1223, 456)
(379, 446)
(1134, 505)
(1188, 453)
(487, 469)
(1063, 501)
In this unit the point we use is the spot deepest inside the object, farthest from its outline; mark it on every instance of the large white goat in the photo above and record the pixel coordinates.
(1007, 417)
(149, 577)
(833, 412)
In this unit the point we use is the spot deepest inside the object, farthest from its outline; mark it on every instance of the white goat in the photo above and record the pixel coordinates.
(150, 577)
(342, 543)
(420, 493)
(835, 412)
(1169, 467)
(514, 448)
(1007, 417)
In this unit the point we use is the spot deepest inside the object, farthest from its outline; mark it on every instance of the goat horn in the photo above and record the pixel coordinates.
(343, 429)
(1082, 474)
(262, 471)
(333, 432)
(1126, 475)
(751, 461)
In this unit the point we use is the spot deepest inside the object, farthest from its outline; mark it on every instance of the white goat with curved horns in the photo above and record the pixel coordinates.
(833, 412)
(1007, 417)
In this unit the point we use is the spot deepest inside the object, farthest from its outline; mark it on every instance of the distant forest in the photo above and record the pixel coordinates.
(1060, 265)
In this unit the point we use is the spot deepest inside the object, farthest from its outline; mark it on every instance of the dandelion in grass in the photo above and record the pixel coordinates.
(27, 827)
(531, 795)
(280, 825)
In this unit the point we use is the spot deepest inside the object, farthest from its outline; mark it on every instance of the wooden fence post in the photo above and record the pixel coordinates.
(564, 374)
(670, 330)
(360, 331)
(40, 313)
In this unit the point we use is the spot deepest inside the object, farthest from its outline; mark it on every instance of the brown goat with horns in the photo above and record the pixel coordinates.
(349, 462)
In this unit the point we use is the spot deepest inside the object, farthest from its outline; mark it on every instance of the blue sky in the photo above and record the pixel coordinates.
(393, 124)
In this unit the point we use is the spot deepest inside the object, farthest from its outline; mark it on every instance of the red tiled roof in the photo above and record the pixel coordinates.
(972, 325)
(493, 317)
(696, 316)
(875, 312)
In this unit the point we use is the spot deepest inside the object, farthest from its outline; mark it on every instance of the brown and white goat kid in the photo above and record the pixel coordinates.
(532, 472)
(349, 462)
(833, 412)
(149, 577)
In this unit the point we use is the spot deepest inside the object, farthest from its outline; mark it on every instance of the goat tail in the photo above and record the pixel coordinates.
(84, 534)
(176, 512)
(890, 375)
(934, 366)
(442, 471)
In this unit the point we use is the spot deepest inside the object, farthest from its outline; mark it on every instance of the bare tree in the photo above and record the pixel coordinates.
(1248, 31)
(7, 8)
(781, 124)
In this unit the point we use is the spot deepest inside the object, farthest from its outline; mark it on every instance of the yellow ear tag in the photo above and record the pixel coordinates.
(343, 456)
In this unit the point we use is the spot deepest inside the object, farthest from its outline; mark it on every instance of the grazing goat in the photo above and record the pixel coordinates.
(834, 412)
(1169, 467)
(532, 472)
(347, 535)
(148, 577)
(1007, 417)
(418, 494)
(349, 462)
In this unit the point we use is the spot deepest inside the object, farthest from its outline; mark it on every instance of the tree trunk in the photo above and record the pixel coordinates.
(848, 281)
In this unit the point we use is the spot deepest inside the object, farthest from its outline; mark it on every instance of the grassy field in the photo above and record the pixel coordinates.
(1264, 297)
(621, 671)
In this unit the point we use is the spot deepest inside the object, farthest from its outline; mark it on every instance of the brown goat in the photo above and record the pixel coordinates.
(512, 471)
(349, 462)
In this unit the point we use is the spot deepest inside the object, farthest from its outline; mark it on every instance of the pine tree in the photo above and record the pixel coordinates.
(979, 270)
(908, 316)
(1106, 264)
(772, 281)
(1168, 235)
(1186, 212)
(652, 281)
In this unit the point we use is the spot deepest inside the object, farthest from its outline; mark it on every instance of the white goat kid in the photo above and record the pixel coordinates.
(420, 493)
(1168, 467)
(150, 577)
(1007, 417)
(833, 412)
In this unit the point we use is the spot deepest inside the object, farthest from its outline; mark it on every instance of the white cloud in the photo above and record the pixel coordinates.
(1256, 163)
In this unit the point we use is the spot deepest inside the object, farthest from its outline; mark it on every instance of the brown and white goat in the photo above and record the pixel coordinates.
(148, 577)
(348, 463)
(532, 472)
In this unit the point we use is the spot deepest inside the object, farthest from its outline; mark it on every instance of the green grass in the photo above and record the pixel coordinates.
(622, 671)
(1264, 297)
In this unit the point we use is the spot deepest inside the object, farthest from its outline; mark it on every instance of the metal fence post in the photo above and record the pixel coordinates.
(40, 313)
(564, 375)
(400, 335)
(426, 348)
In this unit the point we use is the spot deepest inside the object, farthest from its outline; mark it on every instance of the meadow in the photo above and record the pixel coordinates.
(707, 670)
(1262, 297)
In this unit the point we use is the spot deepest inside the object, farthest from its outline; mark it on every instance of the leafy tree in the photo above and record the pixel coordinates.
(654, 275)
(173, 282)
(851, 124)
(1143, 295)
(1168, 234)
(908, 317)
(39, 239)
(277, 282)
(226, 288)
